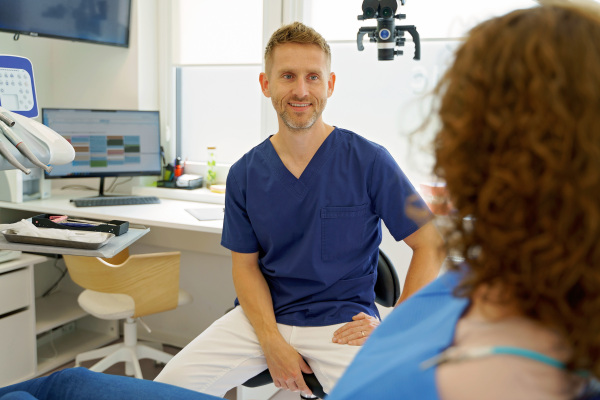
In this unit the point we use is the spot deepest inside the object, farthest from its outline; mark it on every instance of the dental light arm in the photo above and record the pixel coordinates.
(25, 143)
(386, 34)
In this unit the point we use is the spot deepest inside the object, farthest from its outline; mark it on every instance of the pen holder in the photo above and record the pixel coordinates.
(165, 184)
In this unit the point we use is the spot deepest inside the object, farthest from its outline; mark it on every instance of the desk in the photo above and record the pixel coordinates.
(205, 265)
(169, 213)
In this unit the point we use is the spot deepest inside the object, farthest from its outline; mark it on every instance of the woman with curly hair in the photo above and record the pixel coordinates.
(519, 150)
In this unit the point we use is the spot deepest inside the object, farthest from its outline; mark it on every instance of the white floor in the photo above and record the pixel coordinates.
(265, 393)
(286, 395)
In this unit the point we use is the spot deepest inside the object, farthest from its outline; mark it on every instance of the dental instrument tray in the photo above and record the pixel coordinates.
(12, 236)
(63, 222)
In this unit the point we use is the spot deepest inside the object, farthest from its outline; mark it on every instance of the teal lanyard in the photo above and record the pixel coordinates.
(460, 354)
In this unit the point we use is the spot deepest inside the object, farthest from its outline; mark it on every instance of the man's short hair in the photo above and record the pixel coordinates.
(295, 32)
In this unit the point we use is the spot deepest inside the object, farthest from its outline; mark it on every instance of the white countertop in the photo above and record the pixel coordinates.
(169, 213)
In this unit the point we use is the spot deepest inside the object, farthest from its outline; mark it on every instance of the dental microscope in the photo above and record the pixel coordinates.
(386, 34)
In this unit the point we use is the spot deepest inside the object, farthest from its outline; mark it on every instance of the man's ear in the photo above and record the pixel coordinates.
(264, 84)
(330, 84)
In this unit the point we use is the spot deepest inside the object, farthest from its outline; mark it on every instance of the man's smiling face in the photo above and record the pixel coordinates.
(299, 82)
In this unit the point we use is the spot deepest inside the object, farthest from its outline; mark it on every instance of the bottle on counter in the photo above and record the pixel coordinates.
(211, 166)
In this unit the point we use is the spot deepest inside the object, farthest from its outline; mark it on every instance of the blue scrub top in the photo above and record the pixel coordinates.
(318, 236)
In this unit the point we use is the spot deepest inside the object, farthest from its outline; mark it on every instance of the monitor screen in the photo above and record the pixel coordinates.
(97, 21)
(107, 142)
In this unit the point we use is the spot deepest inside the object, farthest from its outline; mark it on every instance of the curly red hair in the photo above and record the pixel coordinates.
(519, 149)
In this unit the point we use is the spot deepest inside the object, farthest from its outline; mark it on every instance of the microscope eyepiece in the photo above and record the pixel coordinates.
(369, 8)
(388, 8)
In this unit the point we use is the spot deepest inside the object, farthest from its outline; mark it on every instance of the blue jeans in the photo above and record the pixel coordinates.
(80, 383)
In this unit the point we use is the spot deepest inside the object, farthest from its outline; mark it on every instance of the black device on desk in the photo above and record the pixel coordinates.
(108, 143)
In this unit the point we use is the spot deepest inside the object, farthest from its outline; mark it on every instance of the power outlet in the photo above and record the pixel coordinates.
(67, 328)
(56, 333)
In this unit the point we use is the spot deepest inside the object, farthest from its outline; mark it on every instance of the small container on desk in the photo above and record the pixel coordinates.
(185, 181)
(115, 227)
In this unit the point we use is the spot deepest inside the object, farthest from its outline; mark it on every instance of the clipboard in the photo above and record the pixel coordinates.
(207, 213)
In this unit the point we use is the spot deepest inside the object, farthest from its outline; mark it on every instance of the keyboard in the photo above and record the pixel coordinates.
(114, 201)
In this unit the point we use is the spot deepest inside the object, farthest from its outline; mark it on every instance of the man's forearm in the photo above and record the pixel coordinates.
(424, 267)
(428, 255)
(255, 298)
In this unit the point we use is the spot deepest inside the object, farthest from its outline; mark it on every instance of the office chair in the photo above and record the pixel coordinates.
(127, 287)
(387, 293)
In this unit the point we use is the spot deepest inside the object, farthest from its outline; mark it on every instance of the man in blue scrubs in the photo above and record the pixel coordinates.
(303, 218)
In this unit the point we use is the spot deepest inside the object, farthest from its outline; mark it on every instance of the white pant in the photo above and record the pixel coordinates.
(227, 354)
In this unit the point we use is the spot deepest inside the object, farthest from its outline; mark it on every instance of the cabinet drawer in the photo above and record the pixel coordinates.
(15, 287)
(17, 347)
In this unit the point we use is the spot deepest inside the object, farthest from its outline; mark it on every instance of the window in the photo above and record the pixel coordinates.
(218, 32)
(219, 105)
(218, 55)
(386, 101)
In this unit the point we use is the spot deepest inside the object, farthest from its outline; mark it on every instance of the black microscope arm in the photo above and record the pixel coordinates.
(370, 30)
(415, 36)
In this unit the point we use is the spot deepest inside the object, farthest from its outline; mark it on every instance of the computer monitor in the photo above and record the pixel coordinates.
(107, 143)
(101, 22)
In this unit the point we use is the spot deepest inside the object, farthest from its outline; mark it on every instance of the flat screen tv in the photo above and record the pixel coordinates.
(107, 143)
(95, 21)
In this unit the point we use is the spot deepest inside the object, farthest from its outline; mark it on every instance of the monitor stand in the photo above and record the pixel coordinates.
(101, 192)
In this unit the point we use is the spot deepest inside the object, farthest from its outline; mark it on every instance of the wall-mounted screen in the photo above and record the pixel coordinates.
(96, 21)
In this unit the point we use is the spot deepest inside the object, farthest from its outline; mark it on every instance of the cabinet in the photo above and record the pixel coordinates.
(17, 319)
(39, 335)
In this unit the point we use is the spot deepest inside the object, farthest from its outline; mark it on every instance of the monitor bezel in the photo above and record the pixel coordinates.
(108, 174)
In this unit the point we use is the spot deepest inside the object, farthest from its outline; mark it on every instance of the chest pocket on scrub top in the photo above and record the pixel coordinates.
(342, 231)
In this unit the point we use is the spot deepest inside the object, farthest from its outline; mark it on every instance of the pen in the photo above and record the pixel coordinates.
(76, 224)
(87, 221)
(162, 154)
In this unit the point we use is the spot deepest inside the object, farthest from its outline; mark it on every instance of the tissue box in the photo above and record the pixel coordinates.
(189, 181)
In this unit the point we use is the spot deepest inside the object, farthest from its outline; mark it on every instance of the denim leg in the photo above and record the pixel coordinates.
(80, 383)
(19, 395)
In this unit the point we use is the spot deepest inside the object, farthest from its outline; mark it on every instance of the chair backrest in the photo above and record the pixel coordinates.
(152, 280)
(387, 286)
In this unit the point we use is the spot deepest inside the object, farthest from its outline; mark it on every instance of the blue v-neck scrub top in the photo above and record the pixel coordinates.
(318, 236)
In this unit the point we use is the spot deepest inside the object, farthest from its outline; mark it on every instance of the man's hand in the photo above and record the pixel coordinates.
(286, 366)
(355, 333)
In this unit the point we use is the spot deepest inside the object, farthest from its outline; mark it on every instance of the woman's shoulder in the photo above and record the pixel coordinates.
(514, 375)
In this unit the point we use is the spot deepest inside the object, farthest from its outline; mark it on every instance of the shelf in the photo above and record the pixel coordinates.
(64, 349)
(55, 310)
(113, 247)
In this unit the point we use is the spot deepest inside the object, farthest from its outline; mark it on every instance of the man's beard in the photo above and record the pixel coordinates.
(293, 124)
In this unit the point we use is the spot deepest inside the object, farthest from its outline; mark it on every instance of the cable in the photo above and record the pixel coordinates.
(82, 187)
(60, 278)
(115, 184)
